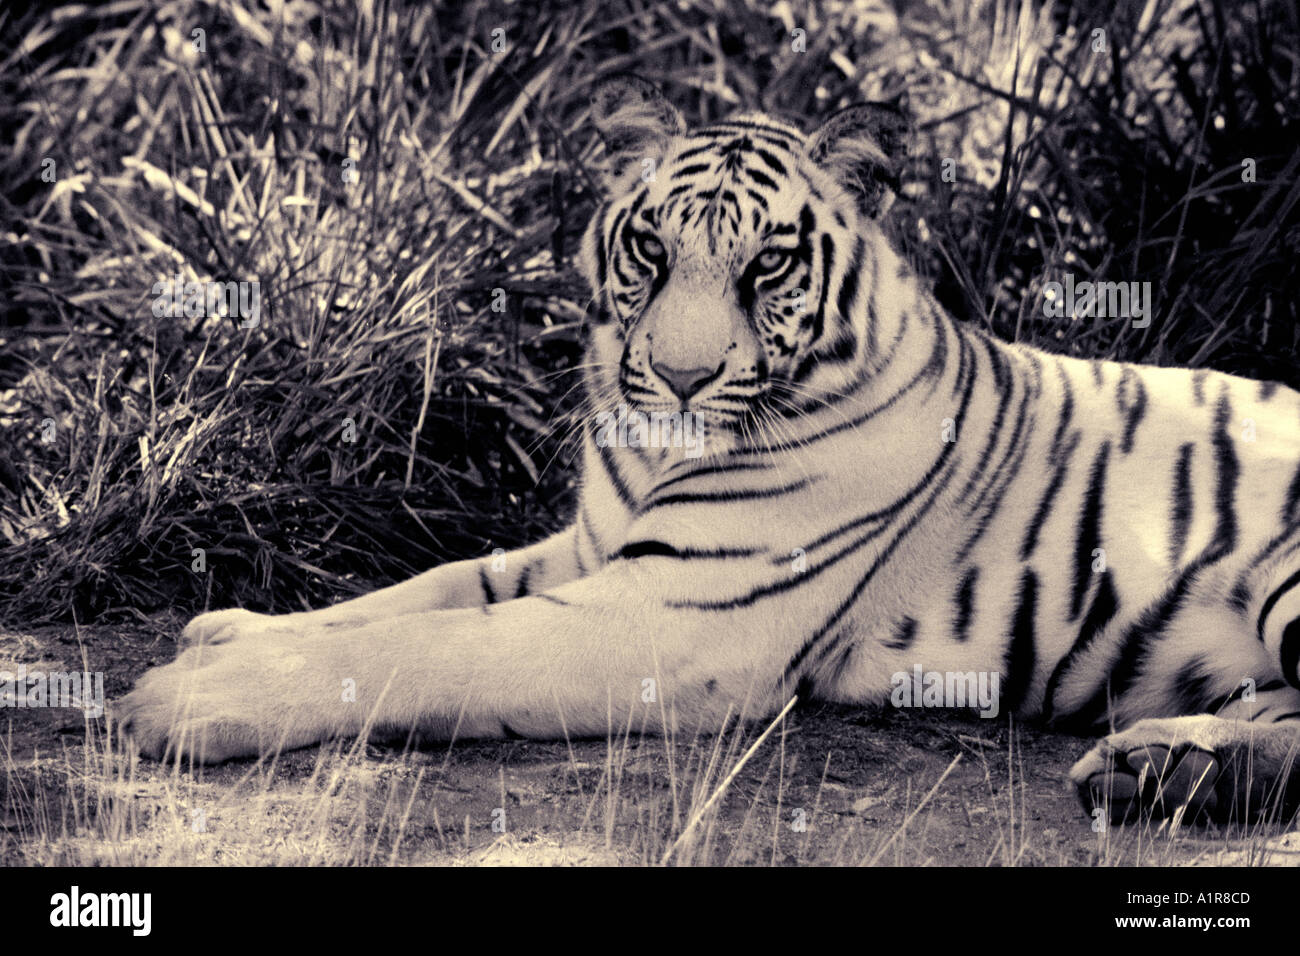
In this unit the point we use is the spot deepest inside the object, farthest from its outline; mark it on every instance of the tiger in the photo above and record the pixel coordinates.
(848, 484)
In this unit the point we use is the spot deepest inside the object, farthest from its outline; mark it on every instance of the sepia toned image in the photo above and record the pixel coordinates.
(700, 433)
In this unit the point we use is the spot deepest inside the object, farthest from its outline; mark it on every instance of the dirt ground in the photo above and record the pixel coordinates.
(834, 785)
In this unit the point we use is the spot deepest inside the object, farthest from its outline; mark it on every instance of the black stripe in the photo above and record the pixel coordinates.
(711, 470)
(1006, 391)
(807, 222)
(1021, 656)
(1267, 390)
(1291, 509)
(692, 170)
(769, 157)
(1239, 596)
(577, 550)
(521, 589)
(938, 354)
(965, 605)
(584, 524)
(1016, 447)
(1006, 471)
(873, 314)
(1273, 598)
(709, 146)
(1198, 385)
(842, 349)
(966, 356)
(1285, 536)
(488, 593)
(553, 599)
(1089, 535)
(1180, 519)
(639, 549)
(1067, 411)
(606, 456)
(615, 230)
(1061, 454)
(789, 136)
(760, 177)
(601, 255)
(1289, 656)
(828, 260)
(1191, 687)
(660, 549)
(904, 635)
(1133, 648)
(1049, 498)
(746, 494)
(1225, 455)
(1105, 604)
(848, 294)
(1134, 407)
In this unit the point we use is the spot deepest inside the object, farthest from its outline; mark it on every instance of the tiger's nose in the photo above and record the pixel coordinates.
(685, 382)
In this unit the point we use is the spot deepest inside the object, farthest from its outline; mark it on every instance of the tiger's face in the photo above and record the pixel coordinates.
(719, 261)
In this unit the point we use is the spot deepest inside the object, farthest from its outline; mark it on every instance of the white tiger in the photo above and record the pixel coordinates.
(877, 488)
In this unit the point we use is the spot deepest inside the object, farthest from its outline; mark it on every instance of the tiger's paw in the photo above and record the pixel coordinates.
(1200, 767)
(233, 698)
(219, 627)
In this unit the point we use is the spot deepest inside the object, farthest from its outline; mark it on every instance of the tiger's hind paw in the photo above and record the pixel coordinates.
(1200, 767)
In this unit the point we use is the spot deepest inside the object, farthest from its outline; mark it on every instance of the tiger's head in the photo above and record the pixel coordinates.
(724, 263)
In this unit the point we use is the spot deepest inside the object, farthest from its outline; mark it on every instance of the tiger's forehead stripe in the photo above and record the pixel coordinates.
(715, 172)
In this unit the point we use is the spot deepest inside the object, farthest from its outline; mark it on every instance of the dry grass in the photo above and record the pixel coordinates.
(627, 801)
(821, 786)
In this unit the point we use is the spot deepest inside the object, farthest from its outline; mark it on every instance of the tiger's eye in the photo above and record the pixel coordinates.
(772, 259)
(651, 247)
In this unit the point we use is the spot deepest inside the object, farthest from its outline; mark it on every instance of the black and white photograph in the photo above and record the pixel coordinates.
(622, 433)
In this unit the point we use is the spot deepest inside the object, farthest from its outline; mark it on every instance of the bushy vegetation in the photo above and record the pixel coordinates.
(408, 184)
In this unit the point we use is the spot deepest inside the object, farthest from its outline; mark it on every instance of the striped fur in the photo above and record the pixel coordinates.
(881, 488)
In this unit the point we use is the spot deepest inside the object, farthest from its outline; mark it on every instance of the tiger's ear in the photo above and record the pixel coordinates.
(864, 147)
(634, 120)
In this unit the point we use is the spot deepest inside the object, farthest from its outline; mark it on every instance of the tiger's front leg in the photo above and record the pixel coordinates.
(562, 557)
(578, 660)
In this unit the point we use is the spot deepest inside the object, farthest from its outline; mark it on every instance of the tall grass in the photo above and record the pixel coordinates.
(427, 305)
